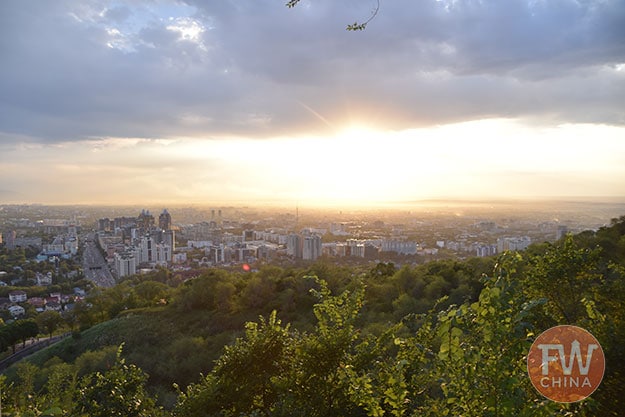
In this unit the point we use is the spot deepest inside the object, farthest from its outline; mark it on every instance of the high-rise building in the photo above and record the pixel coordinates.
(164, 220)
(217, 254)
(294, 246)
(150, 251)
(10, 239)
(145, 221)
(512, 243)
(311, 247)
(169, 238)
(403, 247)
(355, 247)
(162, 254)
(121, 222)
(125, 264)
(147, 249)
(485, 250)
(104, 225)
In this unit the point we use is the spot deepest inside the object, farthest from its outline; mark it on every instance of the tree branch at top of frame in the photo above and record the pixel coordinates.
(354, 26)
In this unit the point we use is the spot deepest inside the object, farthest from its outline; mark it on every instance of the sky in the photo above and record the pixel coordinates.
(248, 101)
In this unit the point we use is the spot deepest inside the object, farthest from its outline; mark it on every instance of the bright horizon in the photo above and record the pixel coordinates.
(357, 166)
(188, 103)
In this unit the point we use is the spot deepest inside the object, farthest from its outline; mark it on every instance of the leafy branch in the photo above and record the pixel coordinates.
(354, 26)
(361, 26)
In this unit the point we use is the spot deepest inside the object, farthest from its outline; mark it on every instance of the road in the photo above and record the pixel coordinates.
(94, 265)
(31, 348)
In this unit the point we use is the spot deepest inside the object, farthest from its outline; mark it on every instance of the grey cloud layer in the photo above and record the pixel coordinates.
(72, 70)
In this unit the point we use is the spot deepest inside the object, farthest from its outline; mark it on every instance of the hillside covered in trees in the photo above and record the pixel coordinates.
(443, 338)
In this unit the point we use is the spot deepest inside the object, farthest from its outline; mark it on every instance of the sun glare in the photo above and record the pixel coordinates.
(360, 165)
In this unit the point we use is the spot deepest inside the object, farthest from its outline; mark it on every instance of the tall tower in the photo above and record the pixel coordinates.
(164, 220)
(10, 239)
(145, 221)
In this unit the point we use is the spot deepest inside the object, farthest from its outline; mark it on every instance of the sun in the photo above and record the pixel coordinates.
(361, 165)
(357, 165)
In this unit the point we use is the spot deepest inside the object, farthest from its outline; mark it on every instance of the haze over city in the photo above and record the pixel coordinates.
(252, 102)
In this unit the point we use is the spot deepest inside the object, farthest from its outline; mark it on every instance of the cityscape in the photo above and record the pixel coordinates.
(312, 208)
(107, 249)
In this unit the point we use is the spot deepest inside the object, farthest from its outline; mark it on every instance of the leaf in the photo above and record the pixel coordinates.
(54, 411)
(356, 26)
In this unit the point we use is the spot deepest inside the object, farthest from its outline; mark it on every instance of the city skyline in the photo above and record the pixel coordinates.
(175, 102)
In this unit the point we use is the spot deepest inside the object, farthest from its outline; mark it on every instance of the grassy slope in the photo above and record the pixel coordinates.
(170, 346)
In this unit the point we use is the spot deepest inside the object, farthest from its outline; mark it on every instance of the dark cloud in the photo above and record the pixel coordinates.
(73, 70)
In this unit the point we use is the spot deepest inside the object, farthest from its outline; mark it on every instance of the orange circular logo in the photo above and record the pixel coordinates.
(566, 364)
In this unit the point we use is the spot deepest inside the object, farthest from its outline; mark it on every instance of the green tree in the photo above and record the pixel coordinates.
(482, 348)
(200, 293)
(243, 378)
(225, 292)
(278, 372)
(93, 361)
(24, 330)
(322, 377)
(565, 275)
(24, 389)
(120, 391)
(48, 321)
(118, 298)
(150, 293)
(71, 318)
(259, 291)
(61, 389)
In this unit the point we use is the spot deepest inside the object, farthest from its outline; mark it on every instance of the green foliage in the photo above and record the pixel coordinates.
(20, 330)
(201, 293)
(61, 387)
(25, 386)
(242, 378)
(322, 374)
(481, 354)
(120, 391)
(151, 293)
(273, 370)
(48, 321)
(259, 291)
(181, 361)
(564, 274)
(95, 361)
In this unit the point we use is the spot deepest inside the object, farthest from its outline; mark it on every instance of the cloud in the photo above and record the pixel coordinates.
(157, 69)
(487, 158)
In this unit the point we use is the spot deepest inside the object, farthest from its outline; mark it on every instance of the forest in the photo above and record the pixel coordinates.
(444, 338)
